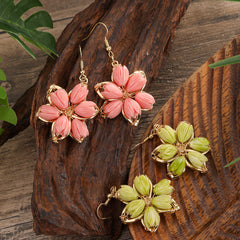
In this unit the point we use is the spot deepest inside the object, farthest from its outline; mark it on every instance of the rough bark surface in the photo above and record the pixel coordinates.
(71, 179)
(210, 100)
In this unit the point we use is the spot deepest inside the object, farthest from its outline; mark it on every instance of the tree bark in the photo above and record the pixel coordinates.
(71, 179)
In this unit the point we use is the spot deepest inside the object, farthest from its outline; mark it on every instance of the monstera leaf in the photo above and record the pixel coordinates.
(12, 23)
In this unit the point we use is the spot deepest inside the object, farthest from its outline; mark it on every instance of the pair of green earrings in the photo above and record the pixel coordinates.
(144, 201)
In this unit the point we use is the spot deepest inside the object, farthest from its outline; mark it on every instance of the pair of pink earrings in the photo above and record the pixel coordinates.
(69, 111)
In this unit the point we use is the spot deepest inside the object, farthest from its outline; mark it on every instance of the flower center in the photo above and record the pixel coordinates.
(181, 148)
(68, 112)
(126, 94)
(147, 200)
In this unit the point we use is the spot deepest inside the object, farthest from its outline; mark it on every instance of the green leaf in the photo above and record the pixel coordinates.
(232, 0)
(234, 161)
(8, 115)
(12, 23)
(2, 75)
(29, 51)
(4, 101)
(3, 93)
(1, 131)
(224, 62)
(3, 97)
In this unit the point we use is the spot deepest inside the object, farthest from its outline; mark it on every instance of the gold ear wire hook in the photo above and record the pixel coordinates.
(108, 47)
(83, 78)
(152, 134)
(111, 195)
(98, 23)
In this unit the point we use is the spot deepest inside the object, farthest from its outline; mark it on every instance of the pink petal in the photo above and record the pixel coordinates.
(86, 109)
(136, 82)
(79, 129)
(113, 108)
(48, 113)
(145, 100)
(59, 98)
(120, 75)
(78, 94)
(131, 108)
(61, 127)
(111, 91)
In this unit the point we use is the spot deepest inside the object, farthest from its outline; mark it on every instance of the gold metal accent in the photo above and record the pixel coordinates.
(108, 47)
(83, 78)
(112, 194)
(152, 134)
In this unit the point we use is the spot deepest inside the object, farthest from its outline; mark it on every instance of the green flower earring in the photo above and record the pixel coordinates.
(179, 148)
(144, 201)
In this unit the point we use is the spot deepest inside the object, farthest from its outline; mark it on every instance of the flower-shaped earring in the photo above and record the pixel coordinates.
(125, 93)
(144, 201)
(68, 112)
(179, 148)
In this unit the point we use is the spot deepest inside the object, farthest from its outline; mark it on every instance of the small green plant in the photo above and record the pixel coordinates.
(6, 113)
(11, 21)
(234, 161)
(19, 29)
(224, 62)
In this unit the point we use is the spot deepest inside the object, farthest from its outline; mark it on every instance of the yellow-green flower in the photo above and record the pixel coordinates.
(144, 201)
(180, 149)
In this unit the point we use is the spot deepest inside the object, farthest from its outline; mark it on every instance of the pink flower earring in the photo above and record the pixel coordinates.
(124, 94)
(68, 111)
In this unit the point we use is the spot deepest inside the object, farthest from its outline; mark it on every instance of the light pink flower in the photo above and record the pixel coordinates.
(68, 112)
(124, 94)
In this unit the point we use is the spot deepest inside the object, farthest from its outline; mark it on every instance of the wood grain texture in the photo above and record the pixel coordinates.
(210, 100)
(71, 179)
(206, 26)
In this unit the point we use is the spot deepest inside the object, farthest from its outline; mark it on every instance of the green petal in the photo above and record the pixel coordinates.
(177, 167)
(166, 151)
(135, 208)
(197, 159)
(162, 202)
(200, 144)
(127, 193)
(163, 187)
(143, 185)
(184, 131)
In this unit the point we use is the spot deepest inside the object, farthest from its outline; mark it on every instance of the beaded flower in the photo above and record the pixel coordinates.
(125, 94)
(68, 112)
(144, 201)
(181, 149)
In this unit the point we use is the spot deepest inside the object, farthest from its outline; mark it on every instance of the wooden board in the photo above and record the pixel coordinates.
(206, 27)
(210, 100)
(71, 179)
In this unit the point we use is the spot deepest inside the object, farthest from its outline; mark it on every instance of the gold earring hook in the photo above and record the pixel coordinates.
(111, 195)
(98, 23)
(108, 47)
(83, 78)
(153, 132)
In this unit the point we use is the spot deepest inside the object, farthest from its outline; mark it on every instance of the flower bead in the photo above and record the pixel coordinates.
(124, 94)
(180, 149)
(68, 112)
(144, 201)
